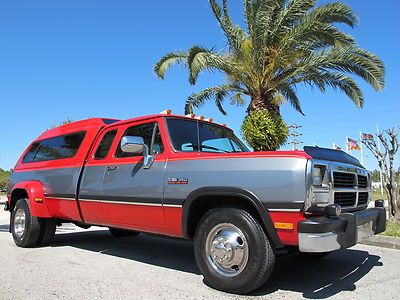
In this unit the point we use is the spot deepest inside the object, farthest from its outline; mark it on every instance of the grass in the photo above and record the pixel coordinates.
(392, 229)
(376, 194)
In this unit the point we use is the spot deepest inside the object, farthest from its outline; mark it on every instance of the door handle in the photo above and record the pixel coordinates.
(112, 168)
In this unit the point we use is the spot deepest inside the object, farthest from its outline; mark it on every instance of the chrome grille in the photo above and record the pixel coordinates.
(345, 198)
(350, 189)
(362, 198)
(362, 181)
(344, 180)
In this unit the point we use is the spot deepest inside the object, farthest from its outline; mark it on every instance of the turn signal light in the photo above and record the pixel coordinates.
(279, 225)
(166, 112)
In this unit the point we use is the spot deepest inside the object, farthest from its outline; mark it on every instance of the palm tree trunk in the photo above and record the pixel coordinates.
(262, 101)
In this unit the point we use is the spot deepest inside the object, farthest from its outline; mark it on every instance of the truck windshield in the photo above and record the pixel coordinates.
(197, 136)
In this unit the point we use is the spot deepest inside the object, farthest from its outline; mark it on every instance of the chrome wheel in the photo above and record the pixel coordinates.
(19, 222)
(227, 249)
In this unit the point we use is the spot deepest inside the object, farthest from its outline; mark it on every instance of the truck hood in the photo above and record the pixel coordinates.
(332, 155)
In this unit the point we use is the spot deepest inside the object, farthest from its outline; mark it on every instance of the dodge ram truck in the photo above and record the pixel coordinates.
(191, 178)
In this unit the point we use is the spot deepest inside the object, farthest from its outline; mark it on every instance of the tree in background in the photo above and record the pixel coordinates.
(3, 178)
(68, 120)
(386, 163)
(284, 44)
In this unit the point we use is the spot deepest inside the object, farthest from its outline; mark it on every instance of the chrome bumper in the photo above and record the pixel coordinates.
(324, 234)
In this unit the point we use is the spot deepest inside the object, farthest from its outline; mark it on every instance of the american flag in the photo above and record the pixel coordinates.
(367, 136)
(352, 144)
(336, 147)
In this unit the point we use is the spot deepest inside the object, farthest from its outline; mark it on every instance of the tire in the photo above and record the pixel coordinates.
(222, 231)
(312, 255)
(25, 228)
(122, 232)
(47, 231)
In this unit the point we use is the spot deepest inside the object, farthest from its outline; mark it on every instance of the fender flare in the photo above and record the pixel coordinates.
(234, 192)
(35, 191)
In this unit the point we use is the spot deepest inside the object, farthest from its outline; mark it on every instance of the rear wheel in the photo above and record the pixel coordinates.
(232, 251)
(47, 231)
(25, 228)
(122, 232)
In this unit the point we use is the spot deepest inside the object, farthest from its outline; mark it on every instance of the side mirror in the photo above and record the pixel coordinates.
(135, 144)
(132, 144)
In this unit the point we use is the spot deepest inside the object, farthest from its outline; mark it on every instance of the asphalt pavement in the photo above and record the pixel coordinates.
(91, 264)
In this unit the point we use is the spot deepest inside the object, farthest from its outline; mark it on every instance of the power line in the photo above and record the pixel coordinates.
(294, 134)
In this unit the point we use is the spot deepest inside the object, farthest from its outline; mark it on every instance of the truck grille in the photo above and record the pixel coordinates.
(350, 181)
(362, 181)
(362, 198)
(345, 199)
(343, 180)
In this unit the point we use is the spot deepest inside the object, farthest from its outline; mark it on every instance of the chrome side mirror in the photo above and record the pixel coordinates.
(132, 144)
(135, 144)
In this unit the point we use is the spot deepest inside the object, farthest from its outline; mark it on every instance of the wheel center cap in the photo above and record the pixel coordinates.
(222, 250)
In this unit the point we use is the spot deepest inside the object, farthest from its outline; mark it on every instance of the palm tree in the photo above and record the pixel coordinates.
(284, 44)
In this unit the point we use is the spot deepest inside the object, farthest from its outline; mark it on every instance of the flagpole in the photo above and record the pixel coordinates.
(347, 146)
(361, 150)
(333, 146)
(380, 171)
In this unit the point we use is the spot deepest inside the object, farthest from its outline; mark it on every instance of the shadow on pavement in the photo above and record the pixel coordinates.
(321, 279)
(4, 228)
(159, 251)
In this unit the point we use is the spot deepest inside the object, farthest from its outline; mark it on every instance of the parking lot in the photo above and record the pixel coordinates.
(91, 264)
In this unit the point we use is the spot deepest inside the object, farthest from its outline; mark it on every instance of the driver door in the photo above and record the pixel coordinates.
(132, 195)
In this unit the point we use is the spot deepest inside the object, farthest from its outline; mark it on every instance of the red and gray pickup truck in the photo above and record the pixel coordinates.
(188, 177)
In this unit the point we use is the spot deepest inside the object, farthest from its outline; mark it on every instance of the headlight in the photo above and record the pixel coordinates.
(318, 175)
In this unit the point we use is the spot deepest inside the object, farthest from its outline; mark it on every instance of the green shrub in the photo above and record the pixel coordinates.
(392, 228)
(264, 130)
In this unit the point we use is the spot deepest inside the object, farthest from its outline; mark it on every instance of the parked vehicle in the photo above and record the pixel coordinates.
(188, 177)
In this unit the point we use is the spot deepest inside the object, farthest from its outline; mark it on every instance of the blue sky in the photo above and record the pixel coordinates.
(80, 59)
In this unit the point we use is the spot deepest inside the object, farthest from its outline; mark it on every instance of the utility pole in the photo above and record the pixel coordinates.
(295, 135)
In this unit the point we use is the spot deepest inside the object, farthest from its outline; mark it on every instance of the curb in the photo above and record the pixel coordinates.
(389, 242)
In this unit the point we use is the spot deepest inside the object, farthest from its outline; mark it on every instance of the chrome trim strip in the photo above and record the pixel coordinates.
(89, 200)
(122, 202)
(60, 198)
(132, 203)
(285, 209)
(172, 205)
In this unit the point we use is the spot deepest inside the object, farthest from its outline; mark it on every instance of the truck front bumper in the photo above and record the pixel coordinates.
(324, 234)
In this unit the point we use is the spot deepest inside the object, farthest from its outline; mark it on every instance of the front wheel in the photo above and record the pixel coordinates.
(232, 251)
(25, 228)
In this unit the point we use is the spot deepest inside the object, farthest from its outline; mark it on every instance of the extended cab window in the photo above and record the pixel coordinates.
(59, 147)
(151, 136)
(196, 136)
(105, 144)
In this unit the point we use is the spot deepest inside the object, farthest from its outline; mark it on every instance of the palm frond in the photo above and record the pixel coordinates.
(217, 92)
(169, 60)
(201, 58)
(234, 34)
(290, 95)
